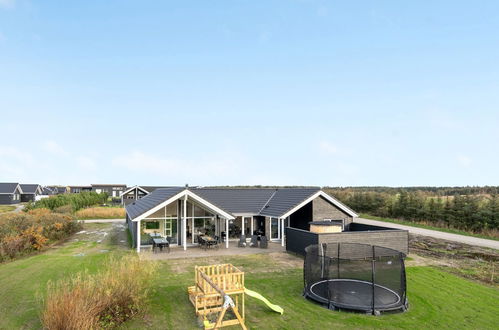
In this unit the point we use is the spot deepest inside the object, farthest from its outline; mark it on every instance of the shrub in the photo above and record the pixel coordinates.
(101, 213)
(99, 301)
(39, 212)
(65, 209)
(22, 233)
(76, 201)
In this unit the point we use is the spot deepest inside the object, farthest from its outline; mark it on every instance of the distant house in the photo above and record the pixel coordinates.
(137, 192)
(113, 190)
(10, 193)
(54, 190)
(30, 192)
(48, 191)
(78, 189)
(132, 194)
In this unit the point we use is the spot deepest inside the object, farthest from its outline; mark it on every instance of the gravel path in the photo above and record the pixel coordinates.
(19, 208)
(434, 233)
(103, 220)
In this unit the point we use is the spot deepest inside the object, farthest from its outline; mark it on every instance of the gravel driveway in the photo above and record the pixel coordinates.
(434, 233)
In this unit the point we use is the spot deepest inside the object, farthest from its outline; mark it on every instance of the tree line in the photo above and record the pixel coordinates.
(467, 208)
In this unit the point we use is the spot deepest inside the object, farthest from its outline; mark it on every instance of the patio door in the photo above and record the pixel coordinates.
(168, 228)
(275, 230)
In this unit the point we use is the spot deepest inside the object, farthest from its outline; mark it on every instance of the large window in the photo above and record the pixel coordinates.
(163, 222)
(152, 225)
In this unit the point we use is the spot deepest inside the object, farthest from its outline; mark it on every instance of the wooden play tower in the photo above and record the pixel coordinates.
(218, 296)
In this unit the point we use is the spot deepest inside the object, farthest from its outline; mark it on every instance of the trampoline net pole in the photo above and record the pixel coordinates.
(373, 276)
(338, 261)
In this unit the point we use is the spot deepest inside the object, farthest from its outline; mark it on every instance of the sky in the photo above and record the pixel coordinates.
(323, 93)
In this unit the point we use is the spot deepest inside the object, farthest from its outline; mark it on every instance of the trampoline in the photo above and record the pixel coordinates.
(357, 277)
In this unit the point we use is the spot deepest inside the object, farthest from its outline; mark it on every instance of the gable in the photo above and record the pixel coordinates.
(10, 188)
(31, 188)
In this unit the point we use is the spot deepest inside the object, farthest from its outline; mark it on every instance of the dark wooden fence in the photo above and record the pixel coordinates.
(297, 239)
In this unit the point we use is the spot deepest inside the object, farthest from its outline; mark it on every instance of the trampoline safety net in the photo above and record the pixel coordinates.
(353, 276)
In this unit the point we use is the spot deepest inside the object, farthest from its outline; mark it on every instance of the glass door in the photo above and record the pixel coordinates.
(168, 228)
(274, 228)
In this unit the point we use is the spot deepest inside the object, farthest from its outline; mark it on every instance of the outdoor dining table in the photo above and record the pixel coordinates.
(161, 243)
(210, 241)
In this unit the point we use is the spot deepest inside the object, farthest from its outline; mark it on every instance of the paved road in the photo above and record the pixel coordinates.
(104, 220)
(436, 234)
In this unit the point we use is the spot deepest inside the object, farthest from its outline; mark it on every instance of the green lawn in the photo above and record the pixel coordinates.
(7, 208)
(419, 225)
(437, 299)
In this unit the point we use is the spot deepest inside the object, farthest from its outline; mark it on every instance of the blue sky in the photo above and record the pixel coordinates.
(250, 92)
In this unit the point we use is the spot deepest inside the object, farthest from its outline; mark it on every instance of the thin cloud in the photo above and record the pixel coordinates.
(7, 3)
(15, 163)
(464, 161)
(328, 147)
(216, 168)
(8, 153)
(86, 163)
(54, 148)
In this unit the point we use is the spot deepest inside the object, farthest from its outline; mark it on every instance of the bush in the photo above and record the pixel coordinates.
(39, 212)
(65, 209)
(76, 201)
(22, 233)
(99, 301)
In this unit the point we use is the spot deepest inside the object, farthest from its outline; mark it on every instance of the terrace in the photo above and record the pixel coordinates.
(177, 252)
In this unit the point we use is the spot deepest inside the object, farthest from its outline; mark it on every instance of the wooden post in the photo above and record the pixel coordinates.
(282, 232)
(184, 224)
(138, 236)
(226, 233)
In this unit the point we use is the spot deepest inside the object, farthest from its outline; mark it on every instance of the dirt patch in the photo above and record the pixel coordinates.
(472, 262)
(251, 263)
(415, 260)
(286, 260)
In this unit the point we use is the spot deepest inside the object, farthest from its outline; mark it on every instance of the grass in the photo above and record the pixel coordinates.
(425, 226)
(100, 213)
(437, 298)
(7, 208)
(23, 280)
(103, 300)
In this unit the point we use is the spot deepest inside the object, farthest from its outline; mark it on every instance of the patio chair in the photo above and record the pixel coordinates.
(254, 241)
(202, 242)
(213, 243)
(263, 242)
(242, 241)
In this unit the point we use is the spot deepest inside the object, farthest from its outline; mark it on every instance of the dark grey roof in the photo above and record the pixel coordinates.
(29, 188)
(236, 200)
(265, 201)
(152, 188)
(107, 185)
(49, 191)
(285, 199)
(155, 198)
(8, 187)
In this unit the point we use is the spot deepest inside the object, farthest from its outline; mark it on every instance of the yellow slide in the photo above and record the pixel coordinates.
(275, 308)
